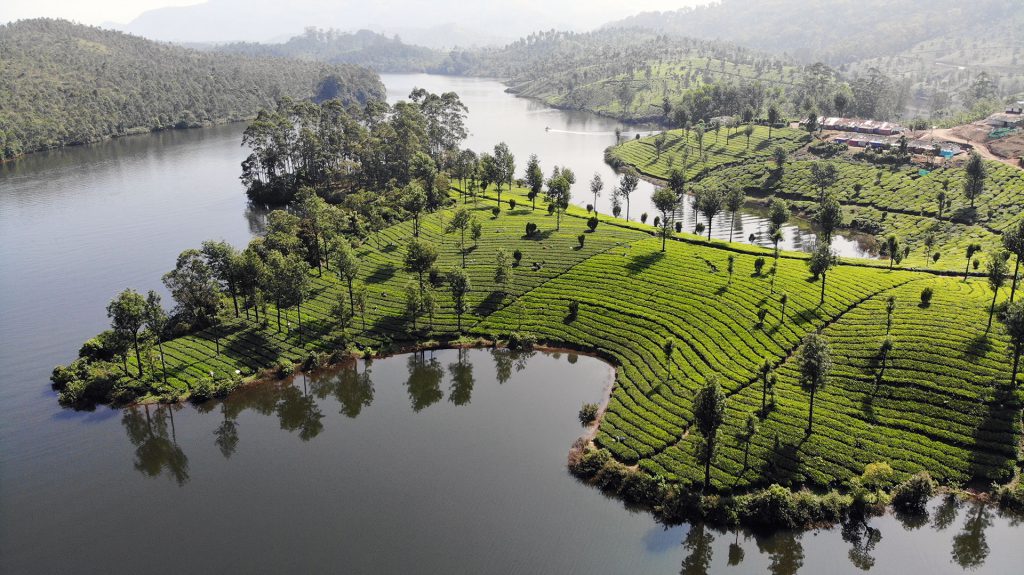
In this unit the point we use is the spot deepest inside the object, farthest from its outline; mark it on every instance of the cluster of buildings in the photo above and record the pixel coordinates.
(859, 126)
(1013, 117)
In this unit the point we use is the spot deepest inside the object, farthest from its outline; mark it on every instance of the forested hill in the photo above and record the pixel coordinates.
(63, 84)
(640, 75)
(839, 31)
(364, 48)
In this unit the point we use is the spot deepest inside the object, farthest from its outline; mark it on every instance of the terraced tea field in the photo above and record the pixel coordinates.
(900, 201)
(941, 402)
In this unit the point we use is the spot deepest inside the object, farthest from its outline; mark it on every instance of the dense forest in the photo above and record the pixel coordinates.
(64, 84)
(364, 48)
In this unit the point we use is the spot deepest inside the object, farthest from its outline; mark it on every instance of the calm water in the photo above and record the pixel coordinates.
(400, 466)
(578, 140)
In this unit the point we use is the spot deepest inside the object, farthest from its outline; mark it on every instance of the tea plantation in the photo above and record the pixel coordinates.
(940, 400)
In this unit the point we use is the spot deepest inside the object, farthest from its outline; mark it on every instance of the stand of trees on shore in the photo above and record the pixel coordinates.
(65, 84)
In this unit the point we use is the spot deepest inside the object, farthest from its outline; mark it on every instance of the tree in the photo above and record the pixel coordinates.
(194, 289)
(783, 300)
(156, 322)
(359, 296)
(972, 249)
(824, 175)
(414, 201)
(559, 194)
(677, 182)
(458, 281)
(708, 416)
(815, 361)
(1013, 242)
(975, 173)
(348, 269)
(476, 230)
(829, 217)
(997, 270)
(596, 185)
(734, 200)
(766, 384)
(892, 245)
(822, 260)
(505, 167)
(890, 308)
(313, 213)
(127, 313)
(1013, 319)
(778, 215)
(779, 156)
(710, 202)
(295, 283)
(502, 270)
(534, 180)
(773, 118)
(627, 185)
(460, 222)
(748, 131)
(667, 202)
(731, 267)
(420, 256)
(224, 261)
(413, 303)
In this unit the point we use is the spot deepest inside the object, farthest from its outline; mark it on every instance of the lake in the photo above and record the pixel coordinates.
(451, 461)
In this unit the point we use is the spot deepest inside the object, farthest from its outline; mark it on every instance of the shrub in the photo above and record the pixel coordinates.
(285, 369)
(771, 508)
(592, 223)
(640, 488)
(551, 209)
(590, 208)
(878, 475)
(311, 362)
(590, 463)
(523, 341)
(574, 309)
(588, 413)
(435, 277)
(1012, 497)
(643, 218)
(582, 238)
(203, 390)
(512, 204)
(926, 296)
(759, 265)
(611, 476)
(913, 494)
(495, 211)
(517, 255)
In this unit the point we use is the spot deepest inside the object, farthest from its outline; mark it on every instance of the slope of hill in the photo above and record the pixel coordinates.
(832, 31)
(364, 48)
(630, 74)
(64, 84)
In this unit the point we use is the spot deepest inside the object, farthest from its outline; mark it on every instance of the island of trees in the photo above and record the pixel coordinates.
(754, 385)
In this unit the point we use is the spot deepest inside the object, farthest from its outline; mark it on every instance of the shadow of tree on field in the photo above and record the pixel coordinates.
(640, 263)
(783, 462)
(382, 274)
(489, 303)
(994, 455)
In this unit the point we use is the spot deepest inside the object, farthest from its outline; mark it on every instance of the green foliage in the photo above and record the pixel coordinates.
(588, 413)
(66, 84)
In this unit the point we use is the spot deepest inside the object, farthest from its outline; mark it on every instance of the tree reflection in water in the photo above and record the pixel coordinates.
(970, 546)
(863, 538)
(736, 552)
(698, 542)
(462, 379)
(299, 412)
(351, 388)
(152, 432)
(503, 361)
(785, 551)
(226, 433)
(425, 375)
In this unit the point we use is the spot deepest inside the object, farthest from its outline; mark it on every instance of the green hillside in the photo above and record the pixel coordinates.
(64, 84)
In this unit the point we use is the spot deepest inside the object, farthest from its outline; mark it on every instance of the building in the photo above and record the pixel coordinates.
(860, 126)
(927, 147)
(1005, 120)
(1017, 108)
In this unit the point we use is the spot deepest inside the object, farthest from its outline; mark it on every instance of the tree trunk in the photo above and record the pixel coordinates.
(277, 305)
(298, 307)
(822, 302)
(1013, 285)
(138, 357)
(810, 416)
(709, 228)
(163, 363)
(732, 227)
(234, 296)
(992, 310)
(967, 269)
(1016, 365)
(351, 300)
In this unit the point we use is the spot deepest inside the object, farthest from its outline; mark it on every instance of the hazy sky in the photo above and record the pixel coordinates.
(586, 12)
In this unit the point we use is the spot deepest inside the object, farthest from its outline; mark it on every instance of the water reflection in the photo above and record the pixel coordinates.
(299, 412)
(970, 546)
(785, 552)
(697, 543)
(862, 539)
(461, 372)
(424, 383)
(151, 430)
(352, 389)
